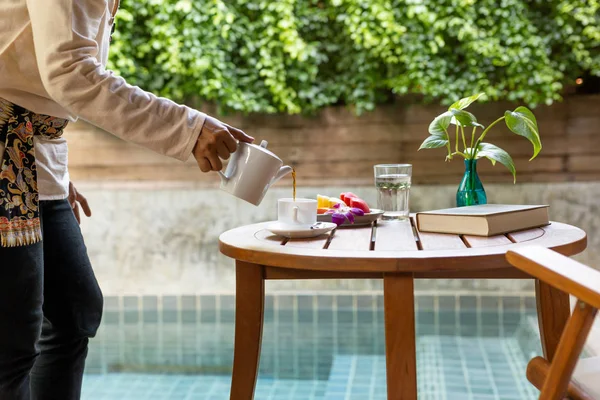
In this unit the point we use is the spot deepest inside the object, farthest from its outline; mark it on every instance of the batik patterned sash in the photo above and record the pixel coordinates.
(19, 198)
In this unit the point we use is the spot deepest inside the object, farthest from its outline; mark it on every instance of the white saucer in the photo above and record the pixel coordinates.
(300, 231)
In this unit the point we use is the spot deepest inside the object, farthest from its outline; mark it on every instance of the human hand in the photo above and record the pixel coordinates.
(76, 198)
(217, 141)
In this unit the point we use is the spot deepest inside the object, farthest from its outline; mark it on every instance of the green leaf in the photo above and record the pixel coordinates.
(495, 153)
(466, 102)
(284, 56)
(433, 142)
(523, 123)
(439, 126)
(464, 118)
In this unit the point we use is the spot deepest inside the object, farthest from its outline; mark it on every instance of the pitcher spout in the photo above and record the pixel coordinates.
(283, 171)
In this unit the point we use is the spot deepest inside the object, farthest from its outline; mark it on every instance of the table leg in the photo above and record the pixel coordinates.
(400, 341)
(249, 310)
(553, 311)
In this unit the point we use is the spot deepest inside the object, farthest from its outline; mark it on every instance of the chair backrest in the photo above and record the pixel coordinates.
(554, 379)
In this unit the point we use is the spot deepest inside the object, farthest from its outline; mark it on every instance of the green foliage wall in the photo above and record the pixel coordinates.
(301, 55)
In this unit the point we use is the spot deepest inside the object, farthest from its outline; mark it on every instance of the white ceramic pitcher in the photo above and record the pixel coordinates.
(251, 171)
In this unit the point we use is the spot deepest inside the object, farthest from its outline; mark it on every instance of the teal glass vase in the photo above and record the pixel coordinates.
(470, 191)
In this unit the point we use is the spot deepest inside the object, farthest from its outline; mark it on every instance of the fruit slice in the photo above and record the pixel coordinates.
(360, 204)
(333, 201)
(322, 210)
(348, 196)
(322, 201)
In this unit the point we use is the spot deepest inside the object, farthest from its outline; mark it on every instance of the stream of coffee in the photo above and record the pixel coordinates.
(294, 182)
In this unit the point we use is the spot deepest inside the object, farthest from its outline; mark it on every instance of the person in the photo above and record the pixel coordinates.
(53, 55)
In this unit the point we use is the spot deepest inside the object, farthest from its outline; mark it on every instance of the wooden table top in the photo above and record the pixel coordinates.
(395, 246)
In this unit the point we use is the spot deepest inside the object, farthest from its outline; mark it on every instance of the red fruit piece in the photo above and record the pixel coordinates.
(343, 197)
(360, 204)
(348, 196)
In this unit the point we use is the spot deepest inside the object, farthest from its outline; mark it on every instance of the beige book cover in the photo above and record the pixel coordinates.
(483, 220)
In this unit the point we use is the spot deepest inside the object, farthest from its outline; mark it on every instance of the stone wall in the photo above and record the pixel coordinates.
(158, 239)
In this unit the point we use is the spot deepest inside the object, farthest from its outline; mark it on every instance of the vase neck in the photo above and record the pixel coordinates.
(470, 165)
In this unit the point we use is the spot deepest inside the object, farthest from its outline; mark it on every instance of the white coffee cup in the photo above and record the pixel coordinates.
(298, 212)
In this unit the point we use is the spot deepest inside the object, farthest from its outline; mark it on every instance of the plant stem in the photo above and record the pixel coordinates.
(457, 136)
(460, 153)
(462, 132)
(448, 145)
(488, 128)
(473, 140)
(485, 133)
(473, 164)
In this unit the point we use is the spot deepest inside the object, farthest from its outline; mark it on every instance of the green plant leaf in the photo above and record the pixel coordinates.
(439, 126)
(466, 102)
(523, 123)
(433, 142)
(464, 118)
(260, 56)
(495, 153)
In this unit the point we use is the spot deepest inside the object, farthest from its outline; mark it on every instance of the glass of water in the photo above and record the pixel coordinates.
(393, 186)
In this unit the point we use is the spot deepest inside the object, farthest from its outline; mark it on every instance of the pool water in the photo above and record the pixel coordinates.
(314, 347)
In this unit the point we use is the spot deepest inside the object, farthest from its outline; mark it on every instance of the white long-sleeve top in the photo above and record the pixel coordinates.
(53, 55)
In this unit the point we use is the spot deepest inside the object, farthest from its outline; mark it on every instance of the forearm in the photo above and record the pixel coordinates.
(66, 50)
(108, 102)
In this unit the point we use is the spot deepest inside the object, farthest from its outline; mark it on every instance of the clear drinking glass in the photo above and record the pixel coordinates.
(392, 182)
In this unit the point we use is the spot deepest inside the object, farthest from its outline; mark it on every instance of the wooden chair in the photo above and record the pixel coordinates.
(564, 376)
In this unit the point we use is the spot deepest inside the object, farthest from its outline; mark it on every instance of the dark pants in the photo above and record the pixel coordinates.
(50, 304)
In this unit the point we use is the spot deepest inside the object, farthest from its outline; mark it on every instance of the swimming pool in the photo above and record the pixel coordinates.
(315, 346)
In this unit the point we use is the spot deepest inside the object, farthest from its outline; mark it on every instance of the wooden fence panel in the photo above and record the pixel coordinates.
(337, 147)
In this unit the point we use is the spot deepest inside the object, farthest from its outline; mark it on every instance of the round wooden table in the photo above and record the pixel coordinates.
(397, 253)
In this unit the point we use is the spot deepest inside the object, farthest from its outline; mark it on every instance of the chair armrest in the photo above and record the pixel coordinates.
(537, 372)
(558, 271)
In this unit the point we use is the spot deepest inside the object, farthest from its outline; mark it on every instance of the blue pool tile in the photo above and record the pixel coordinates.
(313, 346)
